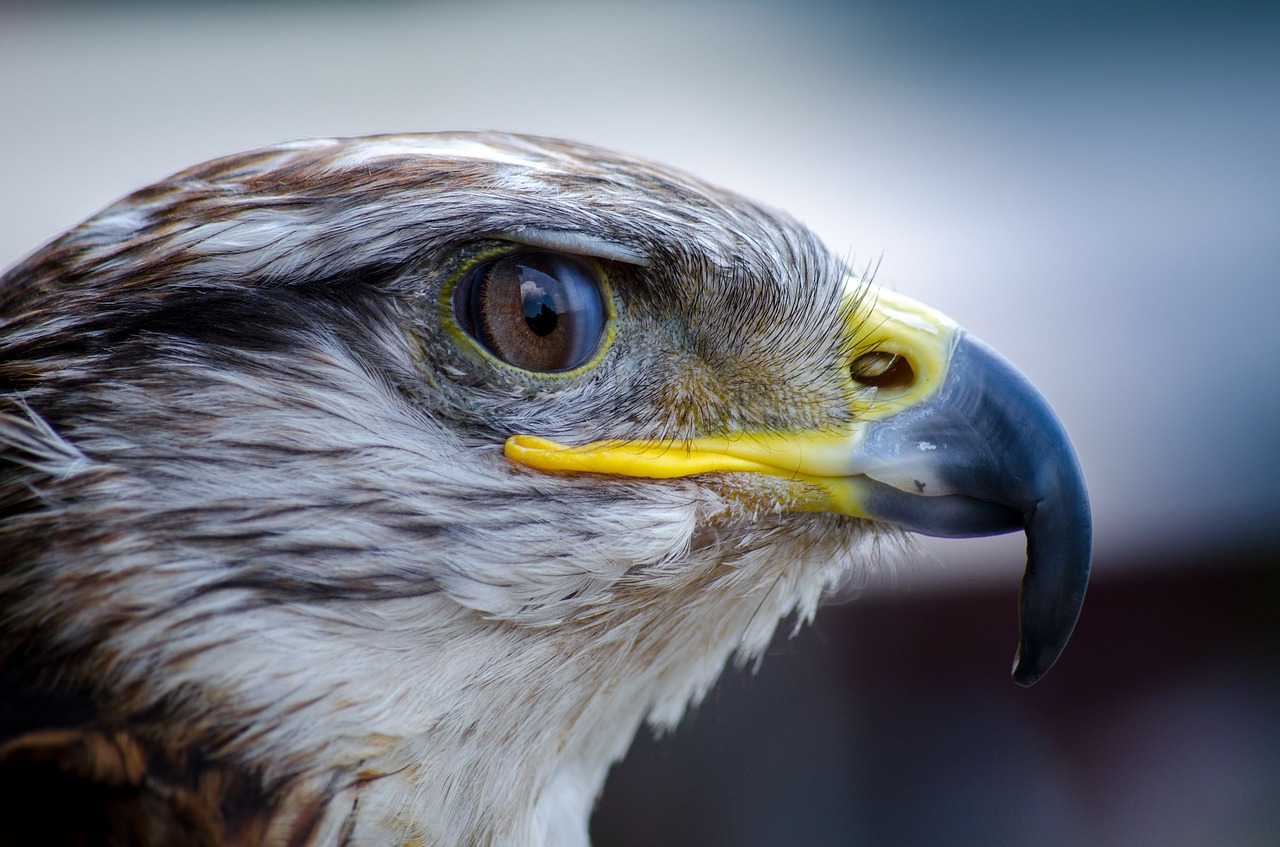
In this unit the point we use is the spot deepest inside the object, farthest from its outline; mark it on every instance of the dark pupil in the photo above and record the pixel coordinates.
(539, 306)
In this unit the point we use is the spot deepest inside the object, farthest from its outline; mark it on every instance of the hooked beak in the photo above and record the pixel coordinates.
(949, 439)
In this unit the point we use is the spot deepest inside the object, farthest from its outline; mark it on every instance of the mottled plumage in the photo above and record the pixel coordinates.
(266, 575)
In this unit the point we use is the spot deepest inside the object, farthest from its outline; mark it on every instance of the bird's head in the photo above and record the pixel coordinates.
(397, 479)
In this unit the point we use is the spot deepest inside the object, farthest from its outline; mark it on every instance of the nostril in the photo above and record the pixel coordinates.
(883, 370)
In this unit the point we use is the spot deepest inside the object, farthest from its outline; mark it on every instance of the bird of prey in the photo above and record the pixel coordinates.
(376, 490)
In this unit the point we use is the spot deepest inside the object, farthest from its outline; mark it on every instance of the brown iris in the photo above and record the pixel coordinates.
(538, 311)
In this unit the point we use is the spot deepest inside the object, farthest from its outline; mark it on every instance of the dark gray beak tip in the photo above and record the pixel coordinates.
(1059, 556)
(1024, 674)
(1004, 461)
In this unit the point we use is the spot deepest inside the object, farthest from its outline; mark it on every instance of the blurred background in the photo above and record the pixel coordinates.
(1093, 188)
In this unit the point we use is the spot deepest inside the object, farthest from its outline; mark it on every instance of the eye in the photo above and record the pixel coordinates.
(537, 311)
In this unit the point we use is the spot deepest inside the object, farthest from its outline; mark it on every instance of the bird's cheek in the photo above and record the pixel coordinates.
(945, 438)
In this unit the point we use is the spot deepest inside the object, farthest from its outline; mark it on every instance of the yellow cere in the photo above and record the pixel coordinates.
(909, 328)
(893, 324)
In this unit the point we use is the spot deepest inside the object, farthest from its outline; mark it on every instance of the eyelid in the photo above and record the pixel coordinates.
(575, 241)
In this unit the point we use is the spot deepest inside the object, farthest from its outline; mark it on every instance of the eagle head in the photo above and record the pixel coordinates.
(375, 491)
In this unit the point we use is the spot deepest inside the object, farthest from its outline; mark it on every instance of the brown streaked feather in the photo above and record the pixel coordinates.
(84, 787)
(265, 575)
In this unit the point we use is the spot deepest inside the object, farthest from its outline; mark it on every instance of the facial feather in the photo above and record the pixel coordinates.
(257, 517)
